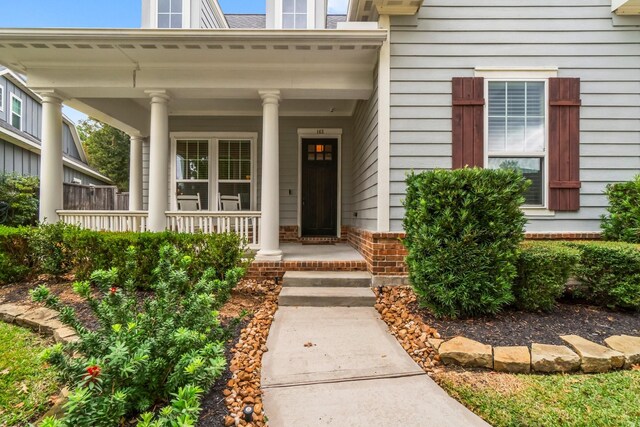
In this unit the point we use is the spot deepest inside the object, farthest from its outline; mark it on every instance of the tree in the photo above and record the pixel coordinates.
(107, 149)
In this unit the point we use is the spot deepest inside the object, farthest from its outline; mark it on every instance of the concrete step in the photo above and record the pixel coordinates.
(326, 297)
(327, 279)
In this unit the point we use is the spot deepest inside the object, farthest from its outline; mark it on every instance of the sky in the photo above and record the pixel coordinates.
(104, 14)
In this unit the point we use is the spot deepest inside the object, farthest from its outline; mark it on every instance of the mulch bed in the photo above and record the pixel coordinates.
(513, 327)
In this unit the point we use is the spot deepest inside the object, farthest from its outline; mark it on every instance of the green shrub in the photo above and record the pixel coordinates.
(48, 249)
(21, 193)
(609, 273)
(141, 353)
(623, 221)
(543, 271)
(463, 232)
(15, 262)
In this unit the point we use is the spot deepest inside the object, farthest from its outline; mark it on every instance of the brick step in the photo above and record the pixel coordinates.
(327, 279)
(261, 270)
(326, 297)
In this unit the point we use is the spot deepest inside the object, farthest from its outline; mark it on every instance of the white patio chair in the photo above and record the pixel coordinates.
(229, 203)
(189, 203)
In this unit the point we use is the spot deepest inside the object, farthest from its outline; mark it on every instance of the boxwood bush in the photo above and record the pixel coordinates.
(623, 221)
(609, 273)
(57, 249)
(543, 271)
(463, 230)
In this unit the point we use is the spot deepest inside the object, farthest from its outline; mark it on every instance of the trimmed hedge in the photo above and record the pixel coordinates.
(463, 231)
(58, 249)
(609, 273)
(623, 221)
(543, 271)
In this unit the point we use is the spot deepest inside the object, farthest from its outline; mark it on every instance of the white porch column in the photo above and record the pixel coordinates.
(158, 161)
(270, 227)
(51, 169)
(135, 174)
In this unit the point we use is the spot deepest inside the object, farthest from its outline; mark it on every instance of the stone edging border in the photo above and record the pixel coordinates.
(39, 319)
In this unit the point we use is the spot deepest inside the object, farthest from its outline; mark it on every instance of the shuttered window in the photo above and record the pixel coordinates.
(525, 131)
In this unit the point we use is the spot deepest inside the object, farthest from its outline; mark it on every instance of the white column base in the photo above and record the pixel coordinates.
(269, 255)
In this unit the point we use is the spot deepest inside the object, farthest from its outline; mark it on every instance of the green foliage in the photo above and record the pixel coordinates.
(463, 230)
(107, 149)
(183, 411)
(142, 353)
(21, 193)
(14, 254)
(609, 273)
(623, 221)
(543, 271)
(57, 249)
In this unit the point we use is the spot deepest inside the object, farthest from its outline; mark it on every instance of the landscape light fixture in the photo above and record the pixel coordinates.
(248, 413)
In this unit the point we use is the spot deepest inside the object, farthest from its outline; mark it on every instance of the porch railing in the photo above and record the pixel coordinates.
(106, 220)
(246, 224)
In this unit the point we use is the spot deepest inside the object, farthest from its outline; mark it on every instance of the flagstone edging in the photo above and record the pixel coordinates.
(39, 319)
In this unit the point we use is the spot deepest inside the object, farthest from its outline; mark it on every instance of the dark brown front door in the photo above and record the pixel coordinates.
(319, 187)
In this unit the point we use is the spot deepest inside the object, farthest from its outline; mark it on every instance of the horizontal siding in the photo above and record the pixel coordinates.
(288, 153)
(365, 162)
(451, 38)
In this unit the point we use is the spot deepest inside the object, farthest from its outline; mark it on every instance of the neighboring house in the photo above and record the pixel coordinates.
(21, 132)
(315, 123)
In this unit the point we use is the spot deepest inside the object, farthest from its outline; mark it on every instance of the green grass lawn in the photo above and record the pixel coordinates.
(26, 383)
(611, 399)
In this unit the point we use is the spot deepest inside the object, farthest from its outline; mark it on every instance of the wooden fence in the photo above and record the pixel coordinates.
(94, 197)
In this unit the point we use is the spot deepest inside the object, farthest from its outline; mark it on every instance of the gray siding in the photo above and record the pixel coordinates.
(450, 38)
(70, 174)
(5, 97)
(288, 153)
(31, 109)
(364, 174)
(69, 146)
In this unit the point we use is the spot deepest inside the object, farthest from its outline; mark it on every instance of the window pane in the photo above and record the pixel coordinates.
(163, 21)
(497, 134)
(301, 21)
(497, 98)
(288, 6)
(16, 106)
(301, 6)
(535, 99)
(16, 122)
(531, 169)
(187, 188)
(288, 21)
(535, 134)
(515, 98)
(176, 21)
(163, 6)
(176, 6)
(233, 189)
(515, 133)
(192, 160)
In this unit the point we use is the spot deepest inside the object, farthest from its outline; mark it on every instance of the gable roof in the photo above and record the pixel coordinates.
(260, 21)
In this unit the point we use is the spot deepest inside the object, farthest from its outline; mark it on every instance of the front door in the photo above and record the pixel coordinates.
(319, 187)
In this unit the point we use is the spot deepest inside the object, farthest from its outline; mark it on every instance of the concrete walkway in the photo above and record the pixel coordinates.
(339, 366)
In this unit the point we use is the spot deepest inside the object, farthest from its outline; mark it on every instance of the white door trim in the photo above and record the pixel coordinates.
(320, 133)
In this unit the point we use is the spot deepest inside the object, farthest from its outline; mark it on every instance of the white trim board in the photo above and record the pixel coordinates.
(320, 133)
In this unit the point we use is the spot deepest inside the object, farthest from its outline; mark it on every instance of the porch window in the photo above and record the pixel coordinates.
(192, 169)
(294, 14)
(234, 170)
(169, 13)
(516, 132)
(16, 112)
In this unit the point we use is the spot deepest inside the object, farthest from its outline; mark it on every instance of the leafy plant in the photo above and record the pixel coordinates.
(623, 221)
(142, 352)
(609, 273)
(21, 193)
(14, 254)
(463, 230)
(543, 271)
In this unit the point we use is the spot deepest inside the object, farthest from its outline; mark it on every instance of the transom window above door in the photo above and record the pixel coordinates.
(517, 132)
(211, 168)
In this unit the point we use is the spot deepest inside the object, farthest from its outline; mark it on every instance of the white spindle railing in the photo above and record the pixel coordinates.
(245, 224)
(106, 220)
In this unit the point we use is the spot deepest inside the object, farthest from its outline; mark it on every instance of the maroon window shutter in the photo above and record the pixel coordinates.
(468, 122)
(564, 144)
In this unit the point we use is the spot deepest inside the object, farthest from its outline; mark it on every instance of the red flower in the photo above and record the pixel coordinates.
(93, 371)
(113, 290)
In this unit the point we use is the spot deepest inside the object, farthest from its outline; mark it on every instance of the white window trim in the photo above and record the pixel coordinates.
(186, 14)
(2, 92)
(13, 96)
(213, 138)
(529, 74)
(311, 15)
(320, 134)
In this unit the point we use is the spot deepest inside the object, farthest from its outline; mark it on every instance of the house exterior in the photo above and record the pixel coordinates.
(20, 135)
(314, 121)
